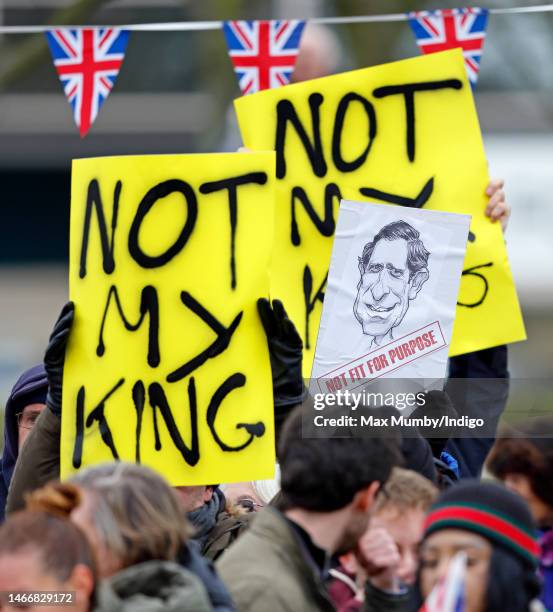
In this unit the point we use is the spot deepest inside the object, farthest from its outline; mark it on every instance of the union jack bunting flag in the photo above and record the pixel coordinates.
(88, 61)
(451, 28)
(263, 52)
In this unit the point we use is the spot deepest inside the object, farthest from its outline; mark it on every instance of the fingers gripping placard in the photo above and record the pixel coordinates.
(404, 133)
(167, 362)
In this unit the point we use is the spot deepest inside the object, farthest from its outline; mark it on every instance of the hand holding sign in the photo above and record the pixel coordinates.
(285, 350)
(54, 357)
(497, 209)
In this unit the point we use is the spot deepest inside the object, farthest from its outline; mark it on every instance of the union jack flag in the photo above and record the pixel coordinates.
(451, 28)
(263, 52)
(448, 595)
(88, 61)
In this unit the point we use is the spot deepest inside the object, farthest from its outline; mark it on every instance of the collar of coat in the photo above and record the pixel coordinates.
(272, 525)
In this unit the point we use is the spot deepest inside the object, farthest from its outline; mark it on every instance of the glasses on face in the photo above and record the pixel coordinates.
(249, 504)
(27, 420)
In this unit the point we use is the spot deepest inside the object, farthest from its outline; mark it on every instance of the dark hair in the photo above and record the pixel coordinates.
(60, 543)
(324, 474)
(521, 452)
(505, 570)
(417, 255)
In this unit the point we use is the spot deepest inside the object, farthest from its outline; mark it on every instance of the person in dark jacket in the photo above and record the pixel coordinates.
(478, 386)
(39, 460)
(190, 558)
(478, 382)
(25, 403)
(328, 487)
(215, 527)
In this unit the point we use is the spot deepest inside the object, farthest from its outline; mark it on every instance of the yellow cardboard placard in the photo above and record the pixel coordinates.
(401, 133)
(167, 362)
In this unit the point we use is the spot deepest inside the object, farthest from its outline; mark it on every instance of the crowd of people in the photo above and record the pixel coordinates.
(348, 523)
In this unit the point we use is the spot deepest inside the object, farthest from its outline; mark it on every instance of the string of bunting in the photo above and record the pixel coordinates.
(263, 52)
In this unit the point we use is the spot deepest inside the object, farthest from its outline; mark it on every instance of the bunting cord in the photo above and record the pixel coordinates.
(191, 26)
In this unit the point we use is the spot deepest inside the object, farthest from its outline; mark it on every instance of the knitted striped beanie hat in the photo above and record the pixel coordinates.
(490, 510)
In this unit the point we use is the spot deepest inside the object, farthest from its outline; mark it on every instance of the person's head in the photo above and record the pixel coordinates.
(28, 400)
(523, 460)
(26, 419)
(319, 54)
(242, 496)
(401, 508)
(194, 497)
(42, 552)
(128, 512)
(494, 528)
(25, 402)
(334, 475)
(393, 268)
(253, 495)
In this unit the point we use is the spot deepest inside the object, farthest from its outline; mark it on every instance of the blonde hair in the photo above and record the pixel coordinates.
(136, 514)
(406, 490)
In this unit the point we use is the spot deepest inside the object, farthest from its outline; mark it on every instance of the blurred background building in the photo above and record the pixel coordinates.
(173, 95)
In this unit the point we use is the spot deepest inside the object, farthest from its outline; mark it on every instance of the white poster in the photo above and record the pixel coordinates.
(390, 301)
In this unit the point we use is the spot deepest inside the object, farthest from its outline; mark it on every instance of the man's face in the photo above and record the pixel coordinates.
(192, 498)
(383, 291)
(356, 527)
(26, 420)
(406, 527)
(358, 519)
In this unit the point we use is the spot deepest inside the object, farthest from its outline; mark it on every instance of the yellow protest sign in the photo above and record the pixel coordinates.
(403, 133)
(167, 362)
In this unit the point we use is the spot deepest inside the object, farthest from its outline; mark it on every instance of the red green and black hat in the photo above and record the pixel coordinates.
(490, 510)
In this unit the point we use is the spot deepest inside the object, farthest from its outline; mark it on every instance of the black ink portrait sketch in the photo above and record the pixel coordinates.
(393, 269)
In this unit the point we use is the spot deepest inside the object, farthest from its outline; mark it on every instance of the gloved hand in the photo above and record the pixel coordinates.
(285, 350)
(54, 357)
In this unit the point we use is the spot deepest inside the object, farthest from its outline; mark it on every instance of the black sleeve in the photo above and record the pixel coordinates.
(190, 558)
(382, 601)
(478, 386)
(489, 363)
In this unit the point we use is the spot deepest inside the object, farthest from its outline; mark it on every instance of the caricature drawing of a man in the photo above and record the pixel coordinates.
(393, 268)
